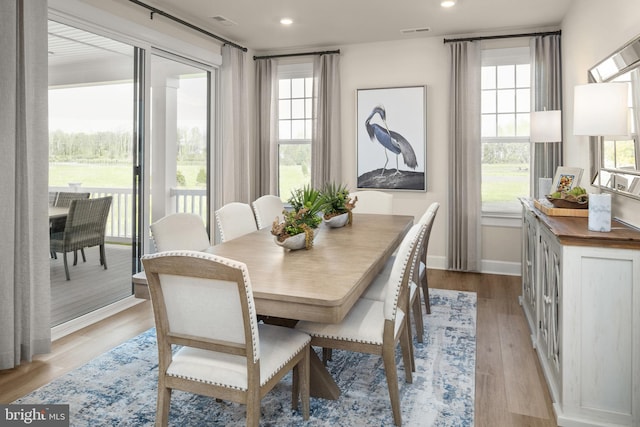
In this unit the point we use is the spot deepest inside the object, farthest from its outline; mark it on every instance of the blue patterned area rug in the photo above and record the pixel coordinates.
(119, 388)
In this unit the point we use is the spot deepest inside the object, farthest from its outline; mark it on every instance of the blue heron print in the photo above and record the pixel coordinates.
(390, 140)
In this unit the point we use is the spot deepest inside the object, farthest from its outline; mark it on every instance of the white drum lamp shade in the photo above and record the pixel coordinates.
(601, 109)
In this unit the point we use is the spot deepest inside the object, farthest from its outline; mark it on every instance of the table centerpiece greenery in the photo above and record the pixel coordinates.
(306, 204)
(336, 204)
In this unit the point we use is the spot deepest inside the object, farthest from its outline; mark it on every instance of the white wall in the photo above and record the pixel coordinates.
(592, 30)
(402, 63)
(423, 61)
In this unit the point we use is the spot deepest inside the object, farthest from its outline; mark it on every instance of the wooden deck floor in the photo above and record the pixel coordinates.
(91, 286)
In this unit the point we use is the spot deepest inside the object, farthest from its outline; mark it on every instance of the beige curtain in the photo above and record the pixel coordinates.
(266, 127)
(464, 232)
(24, 234)
(236, 185)
(546, 83)
(326, 152)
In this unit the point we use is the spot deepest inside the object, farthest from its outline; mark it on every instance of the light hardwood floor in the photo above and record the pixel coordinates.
(510, 387)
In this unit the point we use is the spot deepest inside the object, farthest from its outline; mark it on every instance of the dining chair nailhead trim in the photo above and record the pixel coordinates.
(231, 263)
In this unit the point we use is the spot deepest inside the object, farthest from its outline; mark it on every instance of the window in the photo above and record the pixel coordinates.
(505, 108)
(620, 153)
(295, 116)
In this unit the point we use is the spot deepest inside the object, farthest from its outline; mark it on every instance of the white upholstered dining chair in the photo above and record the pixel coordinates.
(266, 209)
(376, 327)
(428, 218)
(234, 220)
(373, 202)
(204, 303)
(376, 289)
(180, 231)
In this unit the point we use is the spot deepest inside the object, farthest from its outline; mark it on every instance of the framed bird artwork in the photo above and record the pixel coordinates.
(392, 138)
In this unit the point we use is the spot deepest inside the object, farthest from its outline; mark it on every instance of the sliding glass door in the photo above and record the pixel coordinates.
(129, 122)
(179, 136)
(91, 145)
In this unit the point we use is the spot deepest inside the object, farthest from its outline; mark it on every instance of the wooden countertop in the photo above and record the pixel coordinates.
(574, 231)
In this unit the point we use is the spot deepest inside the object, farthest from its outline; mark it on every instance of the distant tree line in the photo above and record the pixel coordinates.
(495, 153)
(116, 146)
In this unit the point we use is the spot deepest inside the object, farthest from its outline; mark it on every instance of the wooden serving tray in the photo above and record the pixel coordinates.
(547, 208)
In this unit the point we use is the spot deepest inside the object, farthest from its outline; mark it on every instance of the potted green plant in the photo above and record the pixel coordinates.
(298, 228)
(336, 204)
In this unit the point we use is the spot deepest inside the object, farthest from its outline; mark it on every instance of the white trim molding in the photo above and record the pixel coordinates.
(95, 316)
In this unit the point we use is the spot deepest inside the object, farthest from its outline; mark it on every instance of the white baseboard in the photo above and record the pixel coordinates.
(489, 267)
(501, 267)
(95, 316)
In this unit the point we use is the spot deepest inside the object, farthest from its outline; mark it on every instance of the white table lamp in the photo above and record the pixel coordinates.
(600, 109)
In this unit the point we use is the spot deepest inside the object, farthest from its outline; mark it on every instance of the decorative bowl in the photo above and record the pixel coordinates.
(570, 202)
(337, 221)
(295, 242)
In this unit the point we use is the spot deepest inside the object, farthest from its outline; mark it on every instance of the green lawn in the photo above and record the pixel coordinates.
(503, 182)
(107, 175)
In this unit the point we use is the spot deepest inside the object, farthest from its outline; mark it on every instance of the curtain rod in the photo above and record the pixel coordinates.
(505, 36)
(284, 55)
(186, 24)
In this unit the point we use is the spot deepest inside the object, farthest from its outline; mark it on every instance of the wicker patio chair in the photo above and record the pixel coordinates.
(84, 228)
(63, 200)
(53, 196)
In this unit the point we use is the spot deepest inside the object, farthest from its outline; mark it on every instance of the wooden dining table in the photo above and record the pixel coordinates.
(56, 212)
(320, 284)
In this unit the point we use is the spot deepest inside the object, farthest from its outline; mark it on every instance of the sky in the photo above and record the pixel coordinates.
(107, 107)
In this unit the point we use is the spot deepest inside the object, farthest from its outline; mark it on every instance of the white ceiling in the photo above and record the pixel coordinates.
(332, 23)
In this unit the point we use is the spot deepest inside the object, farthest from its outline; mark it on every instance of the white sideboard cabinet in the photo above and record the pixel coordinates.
(581, 299)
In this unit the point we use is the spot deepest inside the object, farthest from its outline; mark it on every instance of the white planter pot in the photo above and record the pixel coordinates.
(295, 242)
(337, 221)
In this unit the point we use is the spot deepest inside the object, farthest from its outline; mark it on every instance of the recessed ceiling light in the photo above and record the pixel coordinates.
(448, 3)
(286, 21)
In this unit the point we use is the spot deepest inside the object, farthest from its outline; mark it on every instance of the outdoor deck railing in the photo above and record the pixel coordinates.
(119, 226)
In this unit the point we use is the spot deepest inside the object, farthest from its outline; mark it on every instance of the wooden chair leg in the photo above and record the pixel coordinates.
(326, 355)
(295, 387)
(66, 266)
(304, 374)
(75, 257)
(406, 345)
(253, 411)
(425, 293)
(84, 258)
(103, 257)
(417, 317)
(162, 408)
(388, 357)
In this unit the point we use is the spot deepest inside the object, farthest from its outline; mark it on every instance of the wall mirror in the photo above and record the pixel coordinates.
(616, 166)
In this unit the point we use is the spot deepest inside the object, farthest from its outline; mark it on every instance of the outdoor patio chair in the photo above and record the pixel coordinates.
(84, 227)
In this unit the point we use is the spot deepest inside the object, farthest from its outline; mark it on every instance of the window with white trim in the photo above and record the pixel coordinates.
(506, 150)
(295, 124)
